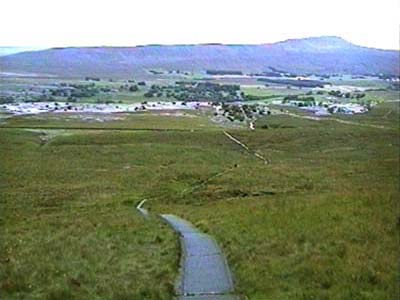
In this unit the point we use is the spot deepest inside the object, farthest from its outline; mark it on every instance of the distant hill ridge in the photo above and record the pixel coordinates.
(320, 55)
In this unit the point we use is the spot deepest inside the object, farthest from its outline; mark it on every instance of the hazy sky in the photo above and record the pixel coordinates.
(49, 23)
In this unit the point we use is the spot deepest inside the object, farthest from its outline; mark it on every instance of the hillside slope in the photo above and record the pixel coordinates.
(310, 55)
(13, 50)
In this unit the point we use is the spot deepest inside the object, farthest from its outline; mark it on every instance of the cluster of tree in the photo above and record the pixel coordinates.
(155, 90)
(185, 83)
(78, 90)
(133, 88)
(251, 110)
(282, 72)
(336, 93)
(324, 76)
(233, 112)
(247, 97)
(306, 83)
(45, 97)
(348, 95)
(99, 101)
(319, 92)
(224, 72)
(207, 91)
(241, 113)
(388, 76)
(129, 87)
(216, 87)
(92, 79)
(196, 91)
(300, 100)
(155, 72)
(6, 99)
(395, 86)
(291, 75)
(71, 91)
(266, 74)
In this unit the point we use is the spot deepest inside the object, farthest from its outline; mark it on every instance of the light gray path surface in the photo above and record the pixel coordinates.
(205, 273)
(244, 146)
(143, 211)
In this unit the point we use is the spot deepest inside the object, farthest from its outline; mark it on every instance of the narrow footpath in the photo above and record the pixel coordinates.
(244, 146)
(205, 273)
(143, 211)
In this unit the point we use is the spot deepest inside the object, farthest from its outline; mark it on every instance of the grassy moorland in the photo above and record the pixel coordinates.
(385, 114)
(319, 222)
(168, 120)
(69, 231)
(69, 228)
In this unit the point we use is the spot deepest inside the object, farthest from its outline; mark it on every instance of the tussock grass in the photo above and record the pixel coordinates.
(69, 232)
(185, 120)
(319, 222)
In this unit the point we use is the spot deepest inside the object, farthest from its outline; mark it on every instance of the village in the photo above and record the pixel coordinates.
(27, 108)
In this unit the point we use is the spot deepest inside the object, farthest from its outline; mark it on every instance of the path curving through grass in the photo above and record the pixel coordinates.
(204, 270)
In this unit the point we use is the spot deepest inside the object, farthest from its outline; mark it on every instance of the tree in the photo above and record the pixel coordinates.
(359, 96)
(133, 88)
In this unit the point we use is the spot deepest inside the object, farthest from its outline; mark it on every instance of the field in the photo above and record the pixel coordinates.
(320, 221)
(162, 120)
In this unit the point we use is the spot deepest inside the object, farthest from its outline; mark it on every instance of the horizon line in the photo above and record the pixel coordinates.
(39, 48)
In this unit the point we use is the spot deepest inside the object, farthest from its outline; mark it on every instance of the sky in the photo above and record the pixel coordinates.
(60, 23)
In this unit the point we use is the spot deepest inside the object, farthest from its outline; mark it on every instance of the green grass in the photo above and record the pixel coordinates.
(184, 120)
(385, 114)
(375, 83)
(125, 97)
(271, 91)
(69, 228)
(25, 84)
(380, 96)
(320, 221)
